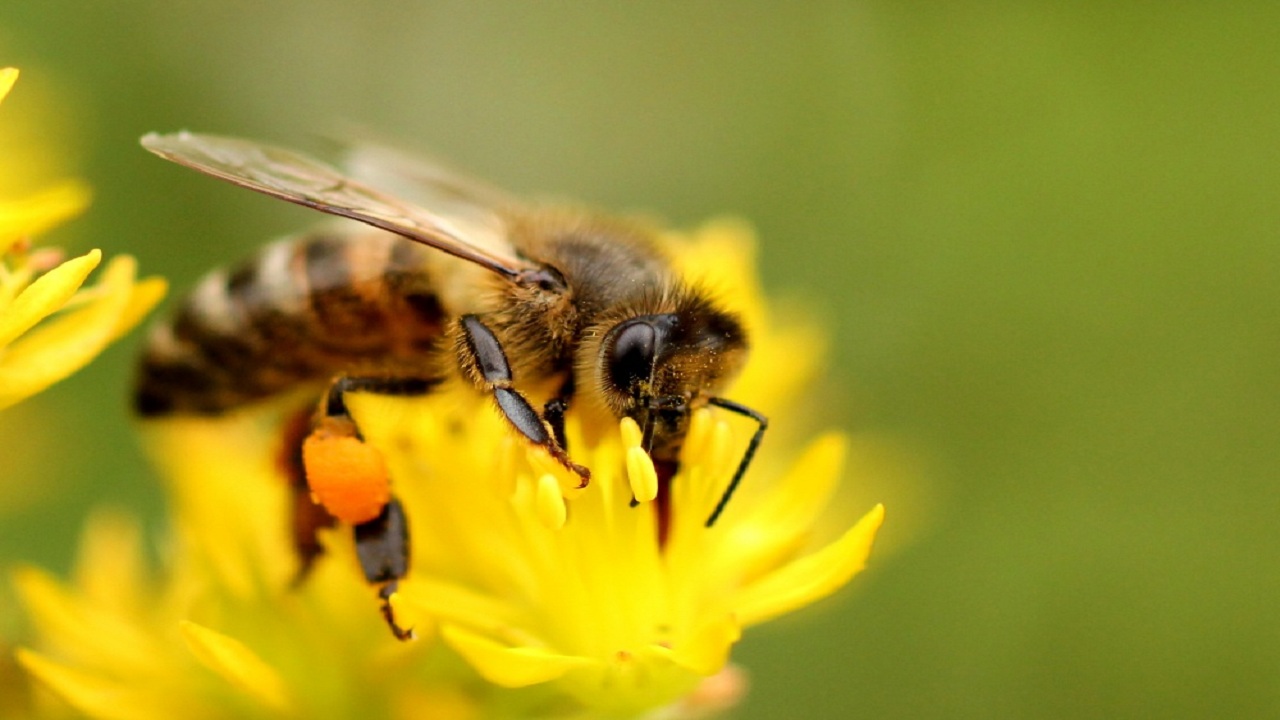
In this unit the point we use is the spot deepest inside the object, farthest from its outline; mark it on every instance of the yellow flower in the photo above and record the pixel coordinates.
(529, 597)
(33, 287)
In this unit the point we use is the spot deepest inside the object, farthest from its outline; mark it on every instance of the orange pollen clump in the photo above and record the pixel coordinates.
(346, 475)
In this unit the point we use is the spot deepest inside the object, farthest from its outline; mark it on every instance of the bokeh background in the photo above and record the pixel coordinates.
(1045, 237)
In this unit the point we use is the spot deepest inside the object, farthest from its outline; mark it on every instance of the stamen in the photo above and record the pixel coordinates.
(719, 448)
(549, 503)
(641, 475)
(632, 436)
(696, 440)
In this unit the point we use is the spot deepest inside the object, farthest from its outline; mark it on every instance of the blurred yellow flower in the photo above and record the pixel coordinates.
(33, 286)
(529, 597)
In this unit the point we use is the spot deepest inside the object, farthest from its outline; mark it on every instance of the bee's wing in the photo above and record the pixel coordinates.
(475, 207)
(290, 176)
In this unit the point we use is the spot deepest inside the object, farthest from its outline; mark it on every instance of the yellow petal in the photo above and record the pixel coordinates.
(509, 666)
(80, 627)
(812, 577)
(48, 293)
(8, 76)
(58, 348)
(144, 296)
(109, 564)
(457, 603)
(721, 255)
(237, 664)
(706, 651)
(226, 499)
(37, 213)
(413, 702)
(777, 527)
(94, 695)
(409, 617)
(808, 486)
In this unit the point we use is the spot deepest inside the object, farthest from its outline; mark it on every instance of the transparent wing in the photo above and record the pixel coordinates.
(299, 179)
(471, 205)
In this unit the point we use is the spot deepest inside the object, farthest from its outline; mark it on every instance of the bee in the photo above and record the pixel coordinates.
(509, 297)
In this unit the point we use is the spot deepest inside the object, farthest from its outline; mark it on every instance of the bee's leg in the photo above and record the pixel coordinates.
(482, 357)
(553, 412)
(382, 544)
(308, 518)
(761, 424)
(349, 478)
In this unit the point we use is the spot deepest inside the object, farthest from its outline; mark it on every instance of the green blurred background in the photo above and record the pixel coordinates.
(1044, 236)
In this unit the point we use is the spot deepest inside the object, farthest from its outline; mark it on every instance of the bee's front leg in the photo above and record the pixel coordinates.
(481, 356)
(349, 479)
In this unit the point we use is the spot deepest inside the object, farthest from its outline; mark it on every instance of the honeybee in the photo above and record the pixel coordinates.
(468, 284)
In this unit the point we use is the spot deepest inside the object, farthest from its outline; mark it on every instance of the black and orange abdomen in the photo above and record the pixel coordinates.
(301, 311)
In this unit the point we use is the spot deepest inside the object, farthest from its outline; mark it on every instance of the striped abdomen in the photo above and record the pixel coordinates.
(301, 311)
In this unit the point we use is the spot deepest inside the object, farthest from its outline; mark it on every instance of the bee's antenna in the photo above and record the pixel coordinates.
(763, 423)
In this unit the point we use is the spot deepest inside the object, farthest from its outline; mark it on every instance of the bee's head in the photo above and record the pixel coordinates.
(657, 368)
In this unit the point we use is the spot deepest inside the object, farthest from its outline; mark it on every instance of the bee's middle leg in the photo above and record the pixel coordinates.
(553, 412)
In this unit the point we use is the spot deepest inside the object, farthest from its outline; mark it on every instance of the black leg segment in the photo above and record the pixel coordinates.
(521, 415)
(553, 412)
(382, 545)
(487, 352)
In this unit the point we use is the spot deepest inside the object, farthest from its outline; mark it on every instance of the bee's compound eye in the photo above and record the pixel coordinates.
(631, 354)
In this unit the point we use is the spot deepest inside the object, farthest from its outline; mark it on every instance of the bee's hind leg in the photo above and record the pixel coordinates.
(382, 544)
(307, 518)
(349, 479)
